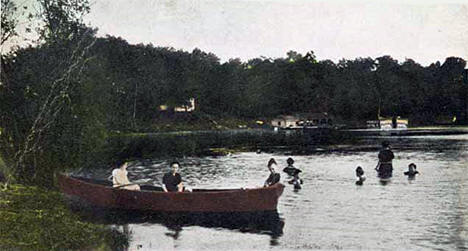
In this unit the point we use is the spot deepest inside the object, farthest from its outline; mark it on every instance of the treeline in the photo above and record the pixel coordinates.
(127, 84)
(136, 79)
(139, 78)
(60, 100)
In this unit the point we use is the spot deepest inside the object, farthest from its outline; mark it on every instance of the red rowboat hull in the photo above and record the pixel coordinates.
(228, 200)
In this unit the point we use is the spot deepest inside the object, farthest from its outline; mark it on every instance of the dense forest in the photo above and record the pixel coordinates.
(59, 100)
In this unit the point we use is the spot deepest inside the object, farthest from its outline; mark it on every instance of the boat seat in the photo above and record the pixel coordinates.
(151, 188)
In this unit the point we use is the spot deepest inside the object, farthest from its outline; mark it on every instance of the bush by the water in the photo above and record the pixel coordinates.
(33, 218)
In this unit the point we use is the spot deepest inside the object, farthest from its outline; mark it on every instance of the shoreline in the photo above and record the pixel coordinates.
(462, 128)
(416, 131)
(28, 213)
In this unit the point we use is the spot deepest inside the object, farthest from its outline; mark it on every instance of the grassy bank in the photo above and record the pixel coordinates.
(199, 122)
(33, 218)
(188, 144)
(150, 145)
(195, 121)
(3, 169)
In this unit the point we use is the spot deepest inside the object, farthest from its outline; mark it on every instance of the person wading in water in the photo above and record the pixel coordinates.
(294, 172)
(360, 176)
(290, 169)
(384, 168)
(411, 171)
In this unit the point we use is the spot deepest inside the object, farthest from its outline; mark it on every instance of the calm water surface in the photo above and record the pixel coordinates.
(330, 212)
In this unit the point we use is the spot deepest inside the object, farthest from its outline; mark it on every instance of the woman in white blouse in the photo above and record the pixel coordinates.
(120, 178)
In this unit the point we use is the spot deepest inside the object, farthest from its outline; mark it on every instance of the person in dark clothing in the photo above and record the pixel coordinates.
(274, 176)
(172, 181)
(384, 167)
(411, 171)
(290, 169)
(296, 181)
(360, 176)
(294, 172)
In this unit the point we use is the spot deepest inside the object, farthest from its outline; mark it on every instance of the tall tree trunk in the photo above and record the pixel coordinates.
(134, 106)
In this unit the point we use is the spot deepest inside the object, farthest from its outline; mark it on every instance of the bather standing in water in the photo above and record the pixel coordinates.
(360, 176)
(384, 167)
(411, 171)
(290, 169)
(274, 176)
(294, 172)
(120, 178)
(172, 181)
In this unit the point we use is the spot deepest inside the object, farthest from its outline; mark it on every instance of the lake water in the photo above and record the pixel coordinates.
(330, 212)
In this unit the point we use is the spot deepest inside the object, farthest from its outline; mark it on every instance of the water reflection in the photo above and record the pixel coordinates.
(174, 231)
(411, 179)
(385, 182)
(265, 223)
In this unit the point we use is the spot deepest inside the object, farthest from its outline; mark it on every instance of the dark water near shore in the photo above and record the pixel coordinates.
(330, 212)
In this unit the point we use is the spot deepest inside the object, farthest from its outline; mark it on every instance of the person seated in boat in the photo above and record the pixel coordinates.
(172, 181)
(384, 166)
(360, 176)
(120, 178)
(274, 176)
(411, 173)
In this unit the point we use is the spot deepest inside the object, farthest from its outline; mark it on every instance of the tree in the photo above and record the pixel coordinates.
(453, 87)
(62, 19)
(8, 20)
(29, 131)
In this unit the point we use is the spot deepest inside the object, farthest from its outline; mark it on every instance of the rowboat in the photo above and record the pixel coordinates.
(100, 193)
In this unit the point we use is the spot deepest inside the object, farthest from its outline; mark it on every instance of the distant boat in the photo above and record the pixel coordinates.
(100, 193)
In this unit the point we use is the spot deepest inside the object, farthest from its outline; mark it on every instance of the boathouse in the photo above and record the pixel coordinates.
(189, 107)
(322, 119)
(303, 120)
(388, 123)
(286, 121)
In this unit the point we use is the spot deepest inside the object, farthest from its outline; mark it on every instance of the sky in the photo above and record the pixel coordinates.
(423, 30)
